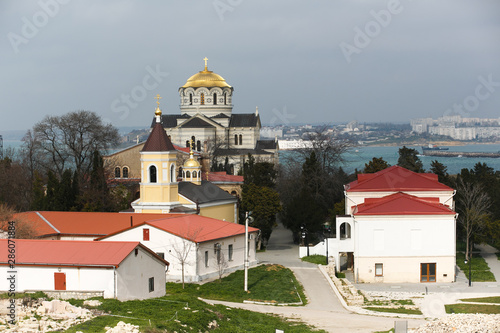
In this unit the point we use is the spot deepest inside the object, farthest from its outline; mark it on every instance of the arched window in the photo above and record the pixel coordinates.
(190, 99)
(198, 145)
(225, 98)
(202, 99)
(187, 143)
(345, 230)
(152, 174)
(215, 99)
(241, 139)
(199, 175)
(188, 174)
(117, 172)
(235, 139)
(125, 172)
(193, 142)
(172, 173)
(181, 173)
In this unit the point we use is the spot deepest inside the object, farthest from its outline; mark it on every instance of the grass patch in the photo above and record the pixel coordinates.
(394, 310)
(35, 295)
(315, 259)
(480, 269)
(266, 283)
(498, 255)
(185, 313)
(493, 299)
(340, 275)
(472, 308)
(400, 302)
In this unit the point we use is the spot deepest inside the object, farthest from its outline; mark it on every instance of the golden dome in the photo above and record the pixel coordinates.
(206, 78)
(191, 163)
(157, 112)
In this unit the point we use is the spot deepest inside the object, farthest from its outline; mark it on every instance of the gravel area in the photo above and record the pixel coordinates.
(463, 323)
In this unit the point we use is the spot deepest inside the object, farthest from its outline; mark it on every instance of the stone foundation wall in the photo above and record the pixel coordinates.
(67, 294)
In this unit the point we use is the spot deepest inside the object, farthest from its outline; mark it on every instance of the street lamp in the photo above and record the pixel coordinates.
(248, 219)
(470, 265)
(327, 233)
(304, 236)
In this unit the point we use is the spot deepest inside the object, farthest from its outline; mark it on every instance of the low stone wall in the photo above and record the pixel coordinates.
(67, 294)
(347, 290)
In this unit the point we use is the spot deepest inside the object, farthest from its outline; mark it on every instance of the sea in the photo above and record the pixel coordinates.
(357, 157)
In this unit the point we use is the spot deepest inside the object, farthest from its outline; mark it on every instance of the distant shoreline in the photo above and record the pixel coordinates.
(437, 143)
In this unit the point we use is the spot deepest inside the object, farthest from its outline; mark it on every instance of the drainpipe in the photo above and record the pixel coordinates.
(454, 192)
(115, 284)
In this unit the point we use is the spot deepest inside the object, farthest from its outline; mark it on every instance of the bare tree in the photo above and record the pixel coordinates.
(473, 205)
(70, 140)
(220, 261)
(23, 228)
(183, 248)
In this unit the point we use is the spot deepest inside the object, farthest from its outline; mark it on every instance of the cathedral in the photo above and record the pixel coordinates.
(207, 123)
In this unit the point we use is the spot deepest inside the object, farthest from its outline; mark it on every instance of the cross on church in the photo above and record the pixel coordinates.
(206, 59)
(158, 99)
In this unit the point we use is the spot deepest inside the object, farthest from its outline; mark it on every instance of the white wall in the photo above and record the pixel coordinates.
(77, 279)
(133, 276)
(194, 268)
(405, 236)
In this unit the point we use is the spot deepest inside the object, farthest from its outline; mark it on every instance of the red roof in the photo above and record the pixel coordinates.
(196, 228)
(158, 140)
(396, 178)
(402, 204)
(69, 253)
(83, 223)
(223, 177)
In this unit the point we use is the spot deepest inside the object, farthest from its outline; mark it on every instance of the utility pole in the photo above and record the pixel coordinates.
(248, 219)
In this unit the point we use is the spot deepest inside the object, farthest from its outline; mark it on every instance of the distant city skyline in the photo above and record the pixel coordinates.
(299, 62)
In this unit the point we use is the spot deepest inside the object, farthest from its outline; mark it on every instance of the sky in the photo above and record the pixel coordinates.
(316, 62)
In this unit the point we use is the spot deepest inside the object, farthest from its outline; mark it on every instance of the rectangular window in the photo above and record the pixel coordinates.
(161, 255)
(151, 284)
(145, 234)
(230, 252)
(206, 258)
(379, 269)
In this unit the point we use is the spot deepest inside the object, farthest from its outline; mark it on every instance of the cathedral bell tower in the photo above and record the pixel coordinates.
(159, 187)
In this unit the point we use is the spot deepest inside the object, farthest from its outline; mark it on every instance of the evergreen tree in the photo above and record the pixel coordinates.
(375, 165)
(260, 174)
(441, 171)
(408, 158)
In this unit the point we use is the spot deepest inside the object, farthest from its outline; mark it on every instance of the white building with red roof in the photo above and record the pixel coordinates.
(121, 270)
(206, 244)
(400, 226)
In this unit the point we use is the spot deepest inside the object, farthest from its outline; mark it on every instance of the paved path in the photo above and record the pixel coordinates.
(323, 310)
(488, 253)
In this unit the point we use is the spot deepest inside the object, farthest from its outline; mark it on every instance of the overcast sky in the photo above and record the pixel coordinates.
(298, 61)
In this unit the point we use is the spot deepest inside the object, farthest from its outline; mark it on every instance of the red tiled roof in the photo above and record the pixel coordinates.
(83, 223)
(69, 253)
(196, 228)
(396, 178)
(222, 177)
(158, 140)
(402, 204)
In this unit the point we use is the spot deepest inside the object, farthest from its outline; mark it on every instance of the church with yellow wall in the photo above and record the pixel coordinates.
(161, 192)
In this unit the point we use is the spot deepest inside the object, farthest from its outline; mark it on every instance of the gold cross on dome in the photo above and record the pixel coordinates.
(158, 99)
(206, 59)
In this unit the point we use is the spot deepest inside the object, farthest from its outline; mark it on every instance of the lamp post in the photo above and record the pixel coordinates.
(327, 233)
(248, 219)
(470, 265)
(304, 236)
